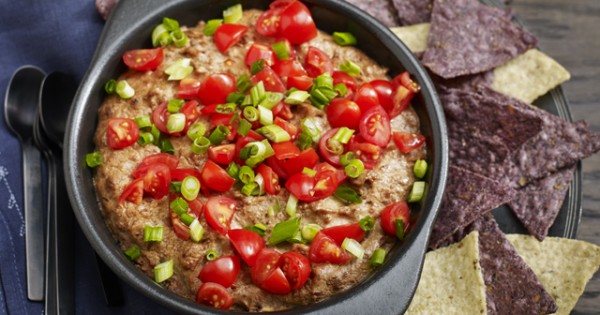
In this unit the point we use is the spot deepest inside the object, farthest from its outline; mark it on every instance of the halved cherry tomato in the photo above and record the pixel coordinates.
(270, 79)
(160, 115)
(219, 212)
(407, 142)
(307, 158)
(402, 98)
(121, 133)
(342, 112)
(216, 87)
(312, 188)
(268, 22)
(339, 232)
(223, 270)
(296, 23)
(384, 91)
(191, 112)
(157, 180)
(366, 97)
(339, 174)
(267, 274)
(405, 80)
(179, 174)
(317, 62)
(209, 109)
(222, 154)
(271, 180)
(300, 82)
(215, 295)
(228, 35)
(143, 59)
(165, 158)
(181, 229)
(375, 126)
(367, 152)
(325, 149)
(241, 142)
(291, 129)
(285, 150)
(393, 212)
(257, 52)
(344, 78)
(215, 177)
(247, 244)
(134, 192)
(196, 207)
(324, 249)
(188, 88)
(283, 111)
(296, 268)
(288, 68)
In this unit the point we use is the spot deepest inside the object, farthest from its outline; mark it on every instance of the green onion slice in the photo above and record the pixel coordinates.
(367, 223)
(265, 116)
(111, 86)
(166, 146)
(190, 187)
(271, 99)
(420, 168)
(153, 233)
(218, 135)
(176, 122)
(378, 257)
(246, 174)
(187, 218)
(259, 151)
(211, 26)
(304, 141)
(244, 127)
(257, 66)
(163, 271)
(124, 90)
(334, 146)
(341, 89)
(274, 133)
(133, 252)
(196, 231)
(93, 159)
(227, 108)
(309, 171)
(212, 255)
(353, 247)
(281, 50)
(179, 205)
(233, 170)
(174, 105)
(251, 189)
(343, 135)
(200, 145)
(309, 231)
(196, 130)
(354, 168)
(257, 228)
(143, 122)
(251, 113)
(244, 83)
(416, 192)
(347, 158)
(180, 69)
(297, 97)
(310, 128)
(257, 93)
(145, 138)
(233, 14)
(160, 36)
(175, 187)
(170, 24)
(179, 38)
(400, 229)
(285, 230)
(291, 206)
(347, 194)
(274, 208)
(344, 38)
(350, 68)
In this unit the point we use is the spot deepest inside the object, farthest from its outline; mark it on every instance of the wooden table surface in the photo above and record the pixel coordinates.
(568, 31)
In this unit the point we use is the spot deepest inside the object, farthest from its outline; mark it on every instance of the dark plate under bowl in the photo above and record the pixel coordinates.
(386, 291)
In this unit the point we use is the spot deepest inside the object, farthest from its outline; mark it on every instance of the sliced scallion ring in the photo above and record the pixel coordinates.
(218, 135)
(265, 116)
(174, 105)
(291, 206)
(200, 145)
(93, 159)
(274, 133)
(179, 205)
(344, 38)
(309, 231)
(124, 90)
(353, 247)
(133, 252)
(176, 122)
(196, 130)
(417, 191)
(190, 187)
(160, 36)
(246, 174)
(281, 50)
(343, 135)
(354, 168)
(367, 223)
(163, 271)
(143, 122)
(187, 218)
(153, 233)
(350, 68)
(297, 97)
(180, 69)
(233, 14)
(378, 257)
(111, 86)
(196, 231)
(212, 255)
(420, 168)
(285, 230)
(211, 26)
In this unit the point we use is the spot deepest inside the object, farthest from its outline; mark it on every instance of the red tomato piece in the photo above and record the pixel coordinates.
(188, 88)
(270, 79)
(375, 126)
(222, 154)
(408, 142)
(191, 112)
(402, 98)
(223, 270)
(165, 158)
(180, 173)
(296, 268)
(257, 52)
(325, 148)
(219, 212)
(344, 78)
(405, 80)
(215, 88)
(393, 212)
(133, 192)
(339, 174)
(307, 158)
(290, 49)
(291, 129)
(296, 23)
(181, 229)
(285, 150)
(384, 91)
(196, 207)
(312, 188)
(247, 244)
(343, 113)
(214, 295)
(267, 274)
(324, 249)
(143, 59)
(160, 115)
(121, 133)
(268, 22)
(366, 97)
(282, 111)
(271, 180)
(157, 180)
(299, 82)
(228, 35)
(288, 68)
(215, 177)
(317, 62)
(340, 232)
(367, 152)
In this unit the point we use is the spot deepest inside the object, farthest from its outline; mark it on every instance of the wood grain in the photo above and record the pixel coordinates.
(569, 31)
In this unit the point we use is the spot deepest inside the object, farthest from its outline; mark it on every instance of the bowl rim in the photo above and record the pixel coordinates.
(111, 43)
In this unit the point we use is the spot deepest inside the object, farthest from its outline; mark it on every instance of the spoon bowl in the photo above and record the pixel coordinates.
(57, 94)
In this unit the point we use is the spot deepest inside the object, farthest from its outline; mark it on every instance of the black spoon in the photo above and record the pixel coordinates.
(20, 113)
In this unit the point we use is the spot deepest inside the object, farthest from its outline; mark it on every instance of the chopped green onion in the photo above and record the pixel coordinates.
(251, 113)
(271, 99)
(274, 133)
(246, 174)
(341, 89)
(176, 122)
(244, 83)
(160, 36)
(323, 81)
(350, 68)
(200, 145)
(353, 247)
(163, 271)
(212, 255)
(143, 122)
(354, 168)
(420, 168)
(309, 171)
(291, 206)
(179, 38)
(153, 233)
(175, 187)
(233, 170)
(257, 93)
(378, 257)
(281, 50)
(257, 66)
(367, 223)
(309, 231)
(334, 146)
(196, 130)
(261, 227)
(343, 135)
(297, 238)
(111, 86)
(416, 192)
(400, 229)
(93, 159)
(156, 134)
(211, 26)
(297, 97)
(244, 127)
(257, 228)
(344, 38)
(166, 146)
(347, 158)
(310, 128)
(174, 105)
(304, 141)
(170, 24)
(347, 194)
(124, 90)
(233, 14)
(196, 231)
(190, 187)
(274, 208)
(145, 138)
(179, 205)
(259, 151)
(320, 97)
(133, 252)
(251, 189)
(285, 230)
(218, 135)
(265, 116)
(236, 98)
(187, 218)
(227, 108)
(180, 69)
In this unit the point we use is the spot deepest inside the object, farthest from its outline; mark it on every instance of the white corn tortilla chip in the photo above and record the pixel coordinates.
(451, 282)
(414, 36)
(564, 266)
(529, 76)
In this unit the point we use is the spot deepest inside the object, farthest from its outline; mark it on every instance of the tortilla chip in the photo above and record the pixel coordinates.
(451, 282)
(467, 197)
(529, 76)
(414, 36)
(564, 266)
(382, 10)
(469, 37)
(537, 204)
(413, 11)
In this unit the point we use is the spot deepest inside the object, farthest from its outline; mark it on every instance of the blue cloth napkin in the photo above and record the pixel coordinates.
(58, 35)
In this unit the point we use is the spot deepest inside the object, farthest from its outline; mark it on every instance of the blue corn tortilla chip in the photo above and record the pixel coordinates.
(413, 11)
(537, 204)
(382, 10)
(467, 197)
(469, 37)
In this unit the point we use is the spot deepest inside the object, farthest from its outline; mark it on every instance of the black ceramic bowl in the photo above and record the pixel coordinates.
(387, 290)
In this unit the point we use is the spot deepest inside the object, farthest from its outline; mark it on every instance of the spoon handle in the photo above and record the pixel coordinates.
(51, 302)
(34, 220)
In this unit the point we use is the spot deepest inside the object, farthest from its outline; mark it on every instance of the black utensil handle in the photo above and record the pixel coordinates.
(51, 302)
(113, 292)
(34, 220)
